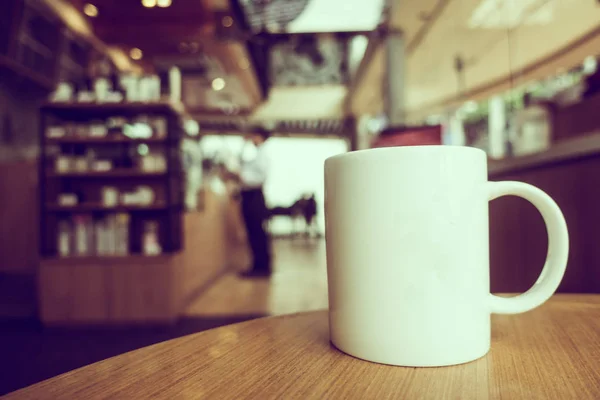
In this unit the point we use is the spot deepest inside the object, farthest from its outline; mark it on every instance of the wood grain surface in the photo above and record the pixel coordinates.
(552, 352)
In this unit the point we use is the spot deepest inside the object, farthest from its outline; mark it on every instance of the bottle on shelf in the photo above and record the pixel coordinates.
(98, 129)
(67, 199)
(151, 245)
(102, 87)
(64, 238)
(90, 157)
(84, 92)
(111, 235)
(63, 164)
(110, 196)
(122, 234)
(101, 237)
(54, 132)
(160, 127)
(83, 235)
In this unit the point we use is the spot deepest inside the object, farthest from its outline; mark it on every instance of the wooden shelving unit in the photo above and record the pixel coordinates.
(81, 208)
(38, 49)
(116, 173)
(88, 283)
(102, 141)
(79, 261)
(88, 111)
(165, 184)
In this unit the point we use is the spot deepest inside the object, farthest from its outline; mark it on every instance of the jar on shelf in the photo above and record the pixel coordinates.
(63, 164)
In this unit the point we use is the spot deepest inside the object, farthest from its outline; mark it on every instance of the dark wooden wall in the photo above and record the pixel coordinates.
(19, 224)
(19, 149)
(518, 238)
(19, 118)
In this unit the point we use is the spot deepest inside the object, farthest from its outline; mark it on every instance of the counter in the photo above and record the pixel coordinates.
(570, 173)
(141, 289)
(564, 151)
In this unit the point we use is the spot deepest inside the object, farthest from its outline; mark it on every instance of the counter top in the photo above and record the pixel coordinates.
(548, 353)
(579, 147)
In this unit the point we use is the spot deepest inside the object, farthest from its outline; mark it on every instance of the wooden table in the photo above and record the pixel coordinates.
(549, 353)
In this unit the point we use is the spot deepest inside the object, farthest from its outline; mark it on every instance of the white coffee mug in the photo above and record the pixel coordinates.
(408, 254)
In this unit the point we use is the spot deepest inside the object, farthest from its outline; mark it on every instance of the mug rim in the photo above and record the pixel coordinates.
(420, 148)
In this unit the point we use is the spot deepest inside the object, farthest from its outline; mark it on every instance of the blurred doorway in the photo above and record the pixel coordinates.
(297, 170)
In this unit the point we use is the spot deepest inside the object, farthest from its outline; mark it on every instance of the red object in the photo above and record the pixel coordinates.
(409, 136)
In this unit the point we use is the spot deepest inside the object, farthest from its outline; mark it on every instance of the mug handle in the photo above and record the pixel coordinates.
(558, 248)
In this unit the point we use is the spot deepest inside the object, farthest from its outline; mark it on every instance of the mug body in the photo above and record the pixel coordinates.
(407, 254)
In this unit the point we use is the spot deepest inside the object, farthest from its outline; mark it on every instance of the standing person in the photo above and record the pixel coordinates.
(252, 177)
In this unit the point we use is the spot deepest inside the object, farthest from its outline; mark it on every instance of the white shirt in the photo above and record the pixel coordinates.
(253, 173)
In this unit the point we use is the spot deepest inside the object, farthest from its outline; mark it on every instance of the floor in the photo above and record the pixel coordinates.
(17, 296)
(31, 353)
(299, 283)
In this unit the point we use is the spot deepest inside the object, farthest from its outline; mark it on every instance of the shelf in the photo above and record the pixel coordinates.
(109, 259)
(167, 213)
(83, 111)
(102, 140)
(115, 173)
(53, 207)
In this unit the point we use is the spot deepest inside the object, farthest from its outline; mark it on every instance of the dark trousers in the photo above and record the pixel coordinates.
(255, 213)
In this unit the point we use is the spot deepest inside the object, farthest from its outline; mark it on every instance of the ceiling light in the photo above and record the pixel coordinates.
(136, 53)
(90, 10)
(244, 63)
(507, 14)
(218, 84)
(149, 3)
(164, 3)
(227, 21)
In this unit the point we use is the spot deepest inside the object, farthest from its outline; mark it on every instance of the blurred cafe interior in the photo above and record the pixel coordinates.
(119, 120)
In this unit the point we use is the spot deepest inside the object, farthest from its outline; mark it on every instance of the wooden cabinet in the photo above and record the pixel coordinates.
(37, 46)
(38, 40)
(138, 287)
(9, 19)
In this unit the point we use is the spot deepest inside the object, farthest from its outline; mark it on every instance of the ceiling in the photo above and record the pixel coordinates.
(301, 16)
(210, 39)
(350, 15)
(501, 43)
(191, 34)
